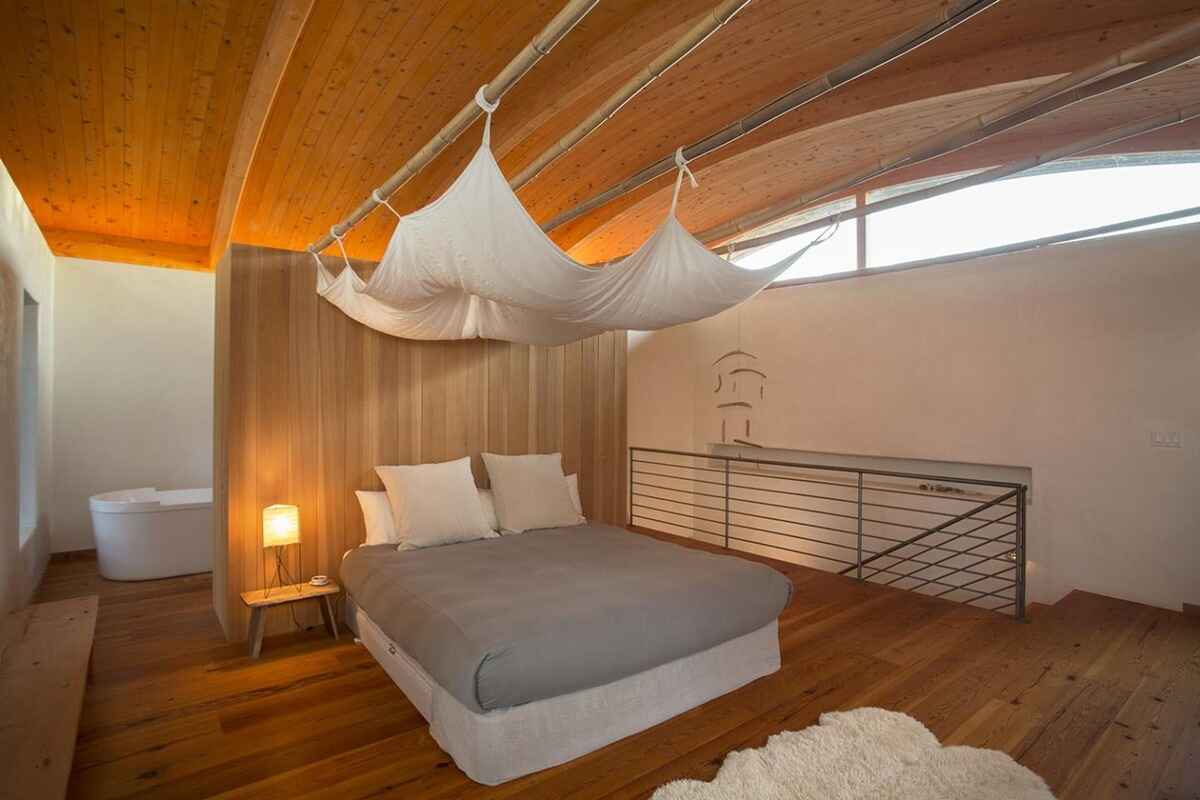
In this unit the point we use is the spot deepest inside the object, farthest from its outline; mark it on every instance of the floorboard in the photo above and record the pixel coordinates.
(1099, 696)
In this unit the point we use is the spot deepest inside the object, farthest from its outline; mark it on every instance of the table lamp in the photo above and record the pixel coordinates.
(280, 527)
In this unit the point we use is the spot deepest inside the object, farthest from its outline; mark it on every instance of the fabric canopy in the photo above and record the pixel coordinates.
(474, 264)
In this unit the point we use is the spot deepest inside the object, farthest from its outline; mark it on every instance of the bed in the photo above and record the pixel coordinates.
(527, 651)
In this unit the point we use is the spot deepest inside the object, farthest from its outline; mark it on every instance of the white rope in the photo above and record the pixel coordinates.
(341, 246)
(488, 108)
(378, 198)
(682, 165)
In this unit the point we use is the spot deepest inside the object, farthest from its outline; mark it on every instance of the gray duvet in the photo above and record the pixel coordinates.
(500, 622)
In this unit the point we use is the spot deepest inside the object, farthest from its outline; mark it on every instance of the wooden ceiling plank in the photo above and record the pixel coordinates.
(709, 24)
(327, 112)
(112, 118)
(24, 163)
(451, 29)
(65, 69)
(49, 122)
(283, 32)
(185, 41)
(482, 59)
(136, 92)
(312, 39)
(374, 148)
(205, 69)
(163, 17)
(340, 31)
(241, 47)
(365, 90)
(86, 24)
(221, 67)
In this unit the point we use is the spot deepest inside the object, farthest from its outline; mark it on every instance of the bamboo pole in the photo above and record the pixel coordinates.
(709, 24)
(951, 15)
(1106, 137)
(543, 43)
(1066, 91)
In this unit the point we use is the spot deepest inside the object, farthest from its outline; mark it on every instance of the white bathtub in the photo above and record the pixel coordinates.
(144, 533)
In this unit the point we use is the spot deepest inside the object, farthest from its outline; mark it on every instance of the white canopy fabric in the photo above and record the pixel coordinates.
(474, 264)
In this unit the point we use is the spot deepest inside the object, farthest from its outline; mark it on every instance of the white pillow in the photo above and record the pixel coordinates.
(489, 508)
(573, 488)
(435, 504)
(531, 492)
(377, 516)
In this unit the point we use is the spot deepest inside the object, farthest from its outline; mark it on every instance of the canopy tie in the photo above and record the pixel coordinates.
(488, 108)
(333, 232)
(378, 198)
(682, 164)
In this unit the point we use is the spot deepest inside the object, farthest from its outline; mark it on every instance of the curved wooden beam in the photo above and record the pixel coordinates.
(283, 32)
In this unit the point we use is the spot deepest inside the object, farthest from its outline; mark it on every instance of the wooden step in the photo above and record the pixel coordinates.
(44, 654)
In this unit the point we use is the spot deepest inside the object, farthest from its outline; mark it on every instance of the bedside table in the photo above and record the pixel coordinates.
(259, 602)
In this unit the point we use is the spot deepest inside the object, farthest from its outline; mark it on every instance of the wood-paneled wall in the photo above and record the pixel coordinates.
(308, 402)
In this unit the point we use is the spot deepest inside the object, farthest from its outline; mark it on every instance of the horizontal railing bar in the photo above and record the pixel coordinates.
(670, 522)
(982, 578)
(681, 478)
(818, 527)
(798, 479)
(980, 559)
(693, 492)
(795, 508)
(678, 513)
(969, 549)
(971, 591)
(945, 479)
(681, 502)
(854, 500)
(950, 570)
(952, 535)
(796, 536)
(852, 470)
(789, 550)
(943, 527)
(673, 524)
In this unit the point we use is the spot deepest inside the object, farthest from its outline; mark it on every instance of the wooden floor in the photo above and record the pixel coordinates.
(1100, 697)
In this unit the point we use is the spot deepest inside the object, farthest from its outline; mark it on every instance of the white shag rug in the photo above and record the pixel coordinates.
(865, 753)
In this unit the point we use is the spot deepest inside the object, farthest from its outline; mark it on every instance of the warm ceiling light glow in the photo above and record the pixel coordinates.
(280, 525)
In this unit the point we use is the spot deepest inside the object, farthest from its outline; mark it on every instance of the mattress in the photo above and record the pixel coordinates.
(501, 745)
(502, 622)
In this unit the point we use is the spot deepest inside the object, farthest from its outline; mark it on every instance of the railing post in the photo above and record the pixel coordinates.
(1019, 589)
(860, 524)
(726, 503)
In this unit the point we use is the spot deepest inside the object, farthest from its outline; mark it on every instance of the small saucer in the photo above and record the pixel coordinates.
(319, 580)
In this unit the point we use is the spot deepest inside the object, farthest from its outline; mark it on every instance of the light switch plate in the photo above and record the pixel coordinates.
(1166, 439)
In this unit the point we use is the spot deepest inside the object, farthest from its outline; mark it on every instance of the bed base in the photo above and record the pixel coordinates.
(498, 746)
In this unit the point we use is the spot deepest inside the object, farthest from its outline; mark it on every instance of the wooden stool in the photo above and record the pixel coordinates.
(258, 602)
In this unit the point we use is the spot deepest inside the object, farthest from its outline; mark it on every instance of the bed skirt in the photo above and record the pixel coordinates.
(501, 745)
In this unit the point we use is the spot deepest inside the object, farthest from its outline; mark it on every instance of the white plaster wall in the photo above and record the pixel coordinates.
(1063, 360)
(26, 265)
(134, 356)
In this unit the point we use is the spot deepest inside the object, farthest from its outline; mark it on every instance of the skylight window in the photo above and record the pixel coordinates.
(1057, 199)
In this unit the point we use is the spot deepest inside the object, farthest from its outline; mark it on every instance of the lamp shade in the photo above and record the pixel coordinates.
(281, 525)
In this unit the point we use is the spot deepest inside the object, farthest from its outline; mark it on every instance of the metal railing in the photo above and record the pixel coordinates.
(958, 538)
